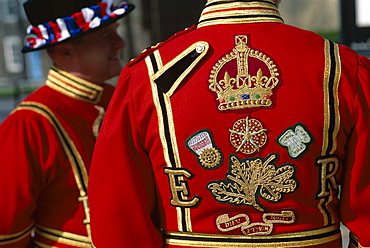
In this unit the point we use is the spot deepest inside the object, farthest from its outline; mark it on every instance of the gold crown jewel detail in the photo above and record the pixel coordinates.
(255, 78)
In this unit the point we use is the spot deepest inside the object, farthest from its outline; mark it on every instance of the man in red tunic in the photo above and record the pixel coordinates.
(240, 132)
(47, 141)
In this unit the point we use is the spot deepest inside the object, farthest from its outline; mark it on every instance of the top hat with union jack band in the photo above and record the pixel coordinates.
(55, 21)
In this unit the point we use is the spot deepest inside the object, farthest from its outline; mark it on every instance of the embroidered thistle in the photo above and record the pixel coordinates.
(251, 178)
(247, 135)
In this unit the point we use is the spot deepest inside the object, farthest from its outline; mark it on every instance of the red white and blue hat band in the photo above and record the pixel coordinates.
(88, 19)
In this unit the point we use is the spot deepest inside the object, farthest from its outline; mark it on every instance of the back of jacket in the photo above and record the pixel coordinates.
(241, 132)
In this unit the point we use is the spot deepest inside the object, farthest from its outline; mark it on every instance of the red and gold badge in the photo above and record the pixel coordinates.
(248, 135)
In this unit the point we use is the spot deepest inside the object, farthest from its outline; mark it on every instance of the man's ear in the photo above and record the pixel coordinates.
(62, 56)
(63, 52)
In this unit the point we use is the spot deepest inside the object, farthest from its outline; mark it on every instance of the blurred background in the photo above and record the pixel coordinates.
(343, 21)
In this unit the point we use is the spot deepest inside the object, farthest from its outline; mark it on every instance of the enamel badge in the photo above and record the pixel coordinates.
(296, 140)
(202, 145)
(247, 135)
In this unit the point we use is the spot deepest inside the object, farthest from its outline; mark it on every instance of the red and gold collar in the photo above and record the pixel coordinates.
(236, 12)
(73, 86)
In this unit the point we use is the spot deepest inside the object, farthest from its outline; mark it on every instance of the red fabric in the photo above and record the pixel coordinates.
(103, 8)
(80, 21)
(131, 201)
(38, 184)
(56, 31)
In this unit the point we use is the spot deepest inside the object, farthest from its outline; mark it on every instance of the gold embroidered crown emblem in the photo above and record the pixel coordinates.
(244, 78)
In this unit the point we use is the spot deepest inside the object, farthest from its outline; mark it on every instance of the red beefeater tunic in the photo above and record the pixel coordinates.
(242, 132)
(46, 149)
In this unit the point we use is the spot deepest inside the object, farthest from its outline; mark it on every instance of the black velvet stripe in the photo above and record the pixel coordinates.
(57, 236)
(154, 63)
(352, 241)
(326, 210)
(255, 240)
(86, 86)
(73, 92)
(183, 220)
(242, 1)
(166, 127)
(331, 99)
(164, 115)
(169, 77)
(242, 17)
(4, 240)
(164, 83)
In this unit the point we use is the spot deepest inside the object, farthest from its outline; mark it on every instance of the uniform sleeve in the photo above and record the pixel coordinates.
(26, 153)
(355, 197)
(121, 185)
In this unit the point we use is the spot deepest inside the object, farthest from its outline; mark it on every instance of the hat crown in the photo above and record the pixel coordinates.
(55, 21)
(41, 11)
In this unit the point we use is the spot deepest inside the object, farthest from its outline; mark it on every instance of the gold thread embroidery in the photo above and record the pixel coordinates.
(61, 241)
(78, 166)
(172, 130)
(252, 177)
(210, 157)
(327, 136)
(63, 237)
(237, 21)
(285, 217)
(329, 166)
(201, 47)
(225, 223)
(62, 87)
(160, 113)
(158, 106)
(201, 144)
(326, 98)
(238, 12)
(247, 135)
(335, 105)
(244, 90)
(238, 6)
(258, 228)
(15, 237)
(226, 1)
(179, 214)
(73, 86)
(338, 71)
(189, 226)
(161, 127)
(355, 239)
(179, 188)
(304, 238)
(98, 121)
(41, 110)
